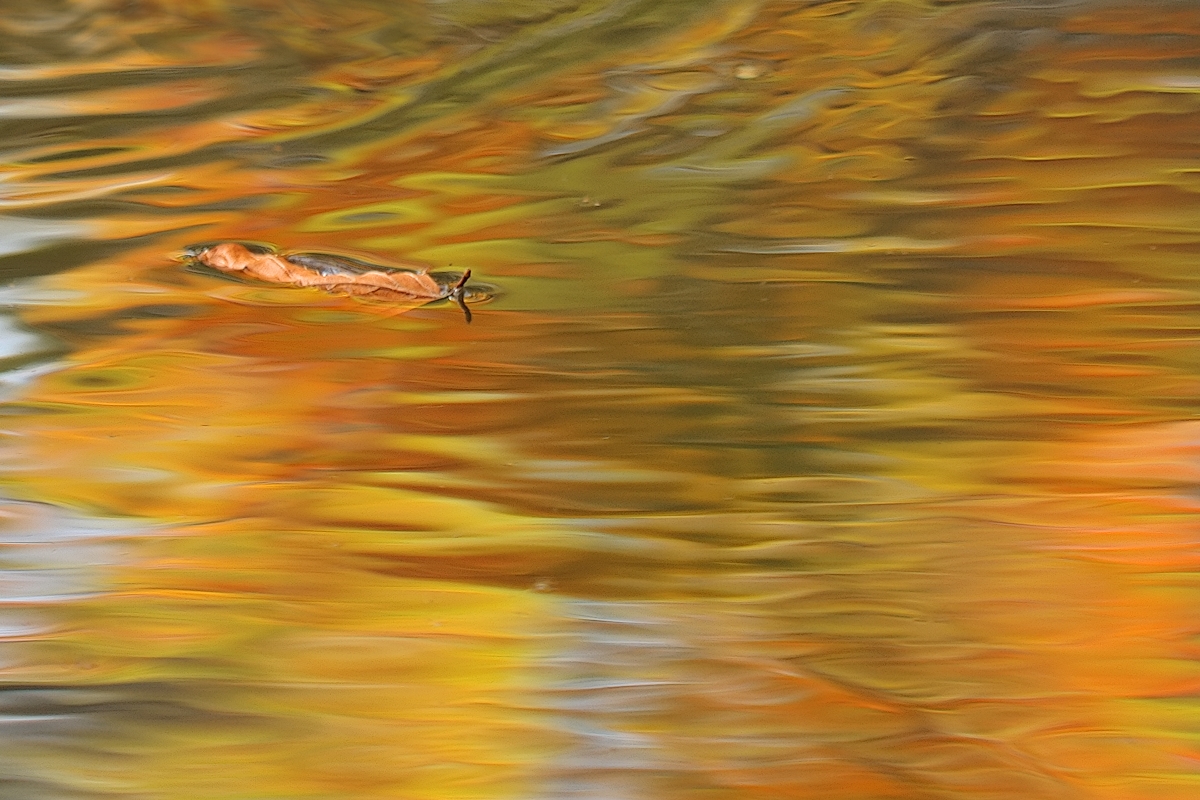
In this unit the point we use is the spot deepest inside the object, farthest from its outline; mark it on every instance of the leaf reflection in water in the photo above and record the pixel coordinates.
(833, 436)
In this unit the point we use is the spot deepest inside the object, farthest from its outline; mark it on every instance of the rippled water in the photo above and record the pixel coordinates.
(831, 433)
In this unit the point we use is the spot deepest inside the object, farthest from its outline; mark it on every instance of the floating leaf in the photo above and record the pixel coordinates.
(333, 275)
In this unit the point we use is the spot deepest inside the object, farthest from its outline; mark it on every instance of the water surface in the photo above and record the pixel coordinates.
(831, 433)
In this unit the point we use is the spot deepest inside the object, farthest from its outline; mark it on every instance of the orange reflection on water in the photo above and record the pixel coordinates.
(829, 433)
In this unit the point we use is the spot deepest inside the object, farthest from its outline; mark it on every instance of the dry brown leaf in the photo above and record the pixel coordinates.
(233, 257)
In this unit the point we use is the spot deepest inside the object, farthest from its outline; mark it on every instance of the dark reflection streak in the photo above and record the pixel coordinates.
(93, 81)
(114, 124)
(503, 66)
(29, 789)
(624, 24)
(90, 209)
(65, 256)
(71, 155)
(247, 92)
(202, 155)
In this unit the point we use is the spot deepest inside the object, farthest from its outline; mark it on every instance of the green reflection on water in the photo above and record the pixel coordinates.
(831, 431)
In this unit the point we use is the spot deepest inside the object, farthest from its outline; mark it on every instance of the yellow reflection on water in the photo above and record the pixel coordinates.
(830, 432)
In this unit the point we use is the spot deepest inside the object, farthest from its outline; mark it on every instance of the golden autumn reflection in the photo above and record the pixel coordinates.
(830, 430)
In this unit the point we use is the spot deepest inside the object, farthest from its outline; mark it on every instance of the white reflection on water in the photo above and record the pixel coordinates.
(24, 354)
(47, 554)
(23, 234)
(50, 560)
(612, 667)
(15, 341)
